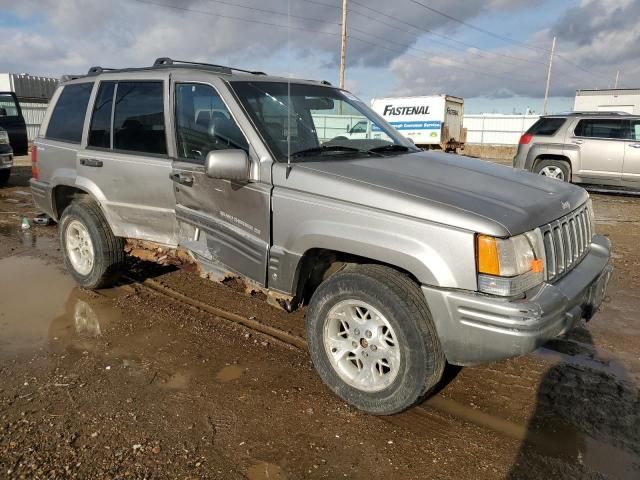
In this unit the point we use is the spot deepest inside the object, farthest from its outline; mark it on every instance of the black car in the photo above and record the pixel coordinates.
(12, 121)
(6, 156)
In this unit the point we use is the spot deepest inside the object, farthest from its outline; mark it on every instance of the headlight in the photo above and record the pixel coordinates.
(4, 137)
(510, 266)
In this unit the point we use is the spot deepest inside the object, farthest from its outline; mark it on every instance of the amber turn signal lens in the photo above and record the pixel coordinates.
(536, 265)
(488, 261)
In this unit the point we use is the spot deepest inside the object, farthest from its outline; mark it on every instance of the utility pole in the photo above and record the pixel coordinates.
(617, 78)
(343, 49)
(546, 92)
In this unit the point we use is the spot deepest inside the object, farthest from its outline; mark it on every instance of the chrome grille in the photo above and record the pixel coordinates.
(566, 241)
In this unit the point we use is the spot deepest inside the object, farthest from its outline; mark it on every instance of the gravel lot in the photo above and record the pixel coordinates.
(131, 383)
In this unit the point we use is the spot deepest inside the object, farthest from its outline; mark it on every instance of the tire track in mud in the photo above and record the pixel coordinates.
(433, 418)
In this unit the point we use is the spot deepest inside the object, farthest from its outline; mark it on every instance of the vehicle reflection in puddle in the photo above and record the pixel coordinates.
(28, 238)
(228, 373)
(85, 320)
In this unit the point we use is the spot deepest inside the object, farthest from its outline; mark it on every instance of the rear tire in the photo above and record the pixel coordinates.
(372, 339)
(556, 169)
(93, 255)
(4, 176)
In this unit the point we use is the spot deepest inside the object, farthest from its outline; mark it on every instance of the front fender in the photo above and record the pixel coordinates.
(434, 254)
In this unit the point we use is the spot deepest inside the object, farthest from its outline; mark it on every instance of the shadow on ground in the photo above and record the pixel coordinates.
(584, 417)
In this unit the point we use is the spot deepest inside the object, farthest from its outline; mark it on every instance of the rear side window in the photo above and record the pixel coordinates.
(138, 124)
(8, 107)
(100, 129)
(67, 119)
(546, 126)
(601, 128)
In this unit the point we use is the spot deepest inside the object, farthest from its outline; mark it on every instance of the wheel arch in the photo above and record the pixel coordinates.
(554, 156)
(62, 195)
(64, 192)
(318, 264)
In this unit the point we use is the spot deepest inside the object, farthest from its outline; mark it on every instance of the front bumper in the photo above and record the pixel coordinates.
(476, 328)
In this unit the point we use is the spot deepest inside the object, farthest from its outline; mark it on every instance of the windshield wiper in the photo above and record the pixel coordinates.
(326, 148)
(392, 147)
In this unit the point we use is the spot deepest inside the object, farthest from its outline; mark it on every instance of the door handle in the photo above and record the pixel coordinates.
(634, 145)
(578, 142)
(90, 162)
(182, 179)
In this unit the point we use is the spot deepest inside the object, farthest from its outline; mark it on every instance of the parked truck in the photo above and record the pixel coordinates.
(430, 122)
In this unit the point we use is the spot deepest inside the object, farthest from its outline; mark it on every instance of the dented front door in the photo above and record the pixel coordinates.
(224, 223)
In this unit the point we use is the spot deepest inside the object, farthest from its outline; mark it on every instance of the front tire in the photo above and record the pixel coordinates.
(93, 255)
(372, 339)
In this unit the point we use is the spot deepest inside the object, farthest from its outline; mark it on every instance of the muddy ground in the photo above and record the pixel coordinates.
(130, 383)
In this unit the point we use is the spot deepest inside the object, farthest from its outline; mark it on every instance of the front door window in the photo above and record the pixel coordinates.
(204, 123)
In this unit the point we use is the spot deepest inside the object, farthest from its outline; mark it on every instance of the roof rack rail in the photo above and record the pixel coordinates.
(593, 112)
(67, 77)
(166, 61)
(97, 70)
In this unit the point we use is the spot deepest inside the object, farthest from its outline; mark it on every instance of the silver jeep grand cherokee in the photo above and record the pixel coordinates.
(405, 259)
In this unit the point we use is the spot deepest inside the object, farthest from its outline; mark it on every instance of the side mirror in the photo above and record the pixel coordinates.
(228, 165)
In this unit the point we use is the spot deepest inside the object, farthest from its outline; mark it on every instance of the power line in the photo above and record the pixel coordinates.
(465, 44)
(504, 38)
(230, 17)
(431, 60)
(446, 37)
(185, 9)
(334, 34)
(474, 27)
(274, 12)
(487, 53)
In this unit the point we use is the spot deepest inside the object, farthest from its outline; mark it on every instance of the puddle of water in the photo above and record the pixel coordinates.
(33, 294)
(177, 381)
(28, 238)
(41, 305)
(265, 471)
(228, 373)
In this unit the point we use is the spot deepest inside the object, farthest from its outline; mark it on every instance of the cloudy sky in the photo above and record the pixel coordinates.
(494, 53)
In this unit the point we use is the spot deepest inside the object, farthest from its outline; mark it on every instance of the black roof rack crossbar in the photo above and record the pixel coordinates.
(97, 70)
(165, 61)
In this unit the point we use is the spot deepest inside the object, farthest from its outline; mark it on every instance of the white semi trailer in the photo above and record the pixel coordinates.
(431, 121)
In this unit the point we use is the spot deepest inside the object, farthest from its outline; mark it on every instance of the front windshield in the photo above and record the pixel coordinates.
(299, 119)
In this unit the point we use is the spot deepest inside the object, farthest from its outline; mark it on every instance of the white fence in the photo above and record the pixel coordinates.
(33, 114)
(495, 129)
(483, 129)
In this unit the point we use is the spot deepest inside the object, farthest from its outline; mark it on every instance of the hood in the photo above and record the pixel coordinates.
(454, 190)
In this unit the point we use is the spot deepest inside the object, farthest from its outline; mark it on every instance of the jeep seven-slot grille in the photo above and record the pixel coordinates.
(566, 241)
